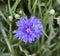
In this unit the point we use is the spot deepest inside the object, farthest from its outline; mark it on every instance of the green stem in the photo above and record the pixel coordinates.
(15, 5)
(10, 31)
(7, 42)
(9, 7)
(10, 25)
(24, 51)
(1, 14)
(29, 6)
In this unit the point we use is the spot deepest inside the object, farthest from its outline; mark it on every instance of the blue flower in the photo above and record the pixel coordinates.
(28, 29)
(0, 30)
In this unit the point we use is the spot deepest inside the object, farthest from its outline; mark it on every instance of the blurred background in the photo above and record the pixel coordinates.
(49, 13)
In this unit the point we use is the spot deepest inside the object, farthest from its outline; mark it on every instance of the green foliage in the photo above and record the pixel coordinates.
(49, 42)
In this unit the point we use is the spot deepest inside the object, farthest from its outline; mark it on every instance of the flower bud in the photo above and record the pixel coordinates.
(10, 18)
(20, 11)
(52, 11)
(17, 16)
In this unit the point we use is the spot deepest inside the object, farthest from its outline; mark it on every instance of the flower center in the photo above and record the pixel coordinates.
(28, 30)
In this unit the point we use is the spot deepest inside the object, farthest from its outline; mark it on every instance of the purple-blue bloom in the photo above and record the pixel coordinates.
(28, 29)
(0, 30)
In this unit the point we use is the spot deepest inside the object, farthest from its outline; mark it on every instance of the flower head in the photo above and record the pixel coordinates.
(0, 30)
(28, 29)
